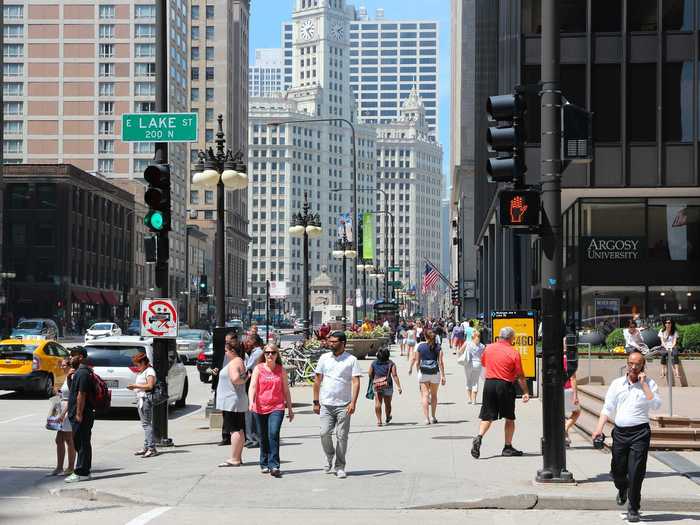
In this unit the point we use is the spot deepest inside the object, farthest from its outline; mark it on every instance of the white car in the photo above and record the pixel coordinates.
(100, 330)
(111, 359)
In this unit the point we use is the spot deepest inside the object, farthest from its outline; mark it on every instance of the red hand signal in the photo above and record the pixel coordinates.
(517, 209)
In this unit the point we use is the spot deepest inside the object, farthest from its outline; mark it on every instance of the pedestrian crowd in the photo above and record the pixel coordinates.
(253, 394)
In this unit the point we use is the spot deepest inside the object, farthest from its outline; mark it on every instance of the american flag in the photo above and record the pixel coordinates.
(430, 279)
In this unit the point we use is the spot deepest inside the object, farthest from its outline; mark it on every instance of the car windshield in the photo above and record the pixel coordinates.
(18, 348)
(101, 326)
(29, 325)
(191, 335)
(112, 355)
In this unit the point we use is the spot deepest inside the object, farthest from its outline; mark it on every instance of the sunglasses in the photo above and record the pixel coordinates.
(667, 322)
(270, 353)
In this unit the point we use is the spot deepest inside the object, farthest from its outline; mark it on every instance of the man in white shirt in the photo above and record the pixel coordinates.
(336, 388)
(627, 405)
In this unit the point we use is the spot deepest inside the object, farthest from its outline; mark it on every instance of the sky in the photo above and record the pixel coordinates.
(266, 19)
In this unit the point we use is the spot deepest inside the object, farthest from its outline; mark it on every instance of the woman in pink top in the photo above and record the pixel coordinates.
(269, 394)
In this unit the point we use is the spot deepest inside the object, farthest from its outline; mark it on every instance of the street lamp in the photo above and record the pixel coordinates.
(306, 224)
(377, 275)
(344, 250)
(220, 169)
(364, 266)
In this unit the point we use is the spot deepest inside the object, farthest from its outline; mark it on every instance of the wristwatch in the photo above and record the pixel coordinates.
(316, 402)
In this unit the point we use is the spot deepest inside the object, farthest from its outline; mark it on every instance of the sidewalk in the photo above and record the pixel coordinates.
(404, 465)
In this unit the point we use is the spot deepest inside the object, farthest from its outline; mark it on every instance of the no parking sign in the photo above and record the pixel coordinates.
(159, 318)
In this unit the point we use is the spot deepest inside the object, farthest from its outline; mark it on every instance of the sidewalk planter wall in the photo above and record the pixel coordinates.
(361, 348)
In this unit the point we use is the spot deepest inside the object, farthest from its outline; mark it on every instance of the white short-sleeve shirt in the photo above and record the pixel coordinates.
(142, 379)
(336, 387)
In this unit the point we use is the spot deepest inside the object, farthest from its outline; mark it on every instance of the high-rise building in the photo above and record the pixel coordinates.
(71, 68)
(219, 86)
(631, 217)
(266, 75)
(409, 170)
(289, 161)
(388, 58)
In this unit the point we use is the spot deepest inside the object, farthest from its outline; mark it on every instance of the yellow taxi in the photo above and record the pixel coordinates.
(31, 365)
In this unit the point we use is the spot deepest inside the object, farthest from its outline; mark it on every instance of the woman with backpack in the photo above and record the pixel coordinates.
(431, 373)
(382, 375)
(145, 381)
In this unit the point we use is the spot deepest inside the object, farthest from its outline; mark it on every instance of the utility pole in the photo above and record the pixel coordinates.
(267, 302)
(161, 347)
(553, 453)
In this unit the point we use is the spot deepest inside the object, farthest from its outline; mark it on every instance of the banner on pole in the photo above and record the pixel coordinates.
(278, 289)
(368, 236)
(345, 225)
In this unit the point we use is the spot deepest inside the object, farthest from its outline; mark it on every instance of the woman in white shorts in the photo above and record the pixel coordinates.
(410, 341)
(428, 361)
(472, 365)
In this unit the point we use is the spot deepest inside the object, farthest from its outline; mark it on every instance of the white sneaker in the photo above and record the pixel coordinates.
(329, 470)
(340, 474)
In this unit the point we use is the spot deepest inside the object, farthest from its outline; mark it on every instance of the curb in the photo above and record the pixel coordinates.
(537, 502)
(90, 494)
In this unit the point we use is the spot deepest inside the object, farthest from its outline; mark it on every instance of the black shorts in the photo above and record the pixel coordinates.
(233, 421)
(498, 400)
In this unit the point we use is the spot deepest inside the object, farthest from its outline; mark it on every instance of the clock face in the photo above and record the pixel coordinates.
(337, 30)
(307, 30)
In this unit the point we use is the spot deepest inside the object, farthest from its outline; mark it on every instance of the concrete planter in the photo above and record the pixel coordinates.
(361, 348)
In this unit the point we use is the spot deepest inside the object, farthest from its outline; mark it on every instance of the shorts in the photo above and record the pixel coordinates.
(428, 378)
(498, 400)
(569, 406)
(233, 422)
(385, 392)
(674, 357)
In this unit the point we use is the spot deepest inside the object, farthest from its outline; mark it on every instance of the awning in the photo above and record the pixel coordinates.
(95, 297)
(80, 296)
(111, 298)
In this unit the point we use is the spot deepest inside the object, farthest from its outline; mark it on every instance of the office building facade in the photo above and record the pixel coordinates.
(71, 68)
(631, 218)
(266, 74)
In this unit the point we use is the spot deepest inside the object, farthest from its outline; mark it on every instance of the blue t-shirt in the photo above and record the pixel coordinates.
(380, 369)
(429, 356)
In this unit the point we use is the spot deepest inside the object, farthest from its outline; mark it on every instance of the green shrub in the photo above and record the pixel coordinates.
(615, 338)
(690, 337)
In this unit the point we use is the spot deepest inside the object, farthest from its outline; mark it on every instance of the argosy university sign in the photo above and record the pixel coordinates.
(613, 248)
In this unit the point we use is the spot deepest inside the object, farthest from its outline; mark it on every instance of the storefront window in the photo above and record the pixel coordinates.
(680, 303)
(604, 308)
(678, 15)
(612, 218)
(606, 16)
(643, 16)
(674, 229)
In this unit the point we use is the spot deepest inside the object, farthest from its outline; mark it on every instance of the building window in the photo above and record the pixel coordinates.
(145, 50)
(106, 11)
(209, 215)
(106, 89)
(13, 70)
(194, 53)
(210, 32)
(13, 50)
(194, 196)
(13, 108)
(105, 146)
(641, 125)
(674, 229)
(194, 75)
(145, 31)
(106, 50)
(210, 73)
(12, 146)
(106, 70)
(194, 32)
(145, 69)
(144, 11)
(208, 197)
(144, 147)
(194, 94)
(13, 31)
(643, 17)
(145, 107)
(106, 127)
(210, 12)
(105, 165)
(144, 89)
(106, 108)
(106, 31)
(210, 53)
(13, 11)
(677, 91)
(606, 16)
(194, 12)
(209, 115)
(210, 94)
(12, 127)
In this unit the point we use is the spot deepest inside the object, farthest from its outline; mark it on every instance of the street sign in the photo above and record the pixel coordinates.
(159, 318)
(278, 289)
(394, 269)
(159, 127)
(395, 283)
(525, 326)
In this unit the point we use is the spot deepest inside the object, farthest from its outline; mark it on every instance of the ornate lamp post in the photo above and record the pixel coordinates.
(306, 224)
(344, 250)
(364, 267)
(377, 274)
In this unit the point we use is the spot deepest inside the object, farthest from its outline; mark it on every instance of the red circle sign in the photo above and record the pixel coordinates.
(158, 318)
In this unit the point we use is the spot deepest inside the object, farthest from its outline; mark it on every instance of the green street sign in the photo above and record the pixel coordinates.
(159, 127)
(395, 283)
(394, 269)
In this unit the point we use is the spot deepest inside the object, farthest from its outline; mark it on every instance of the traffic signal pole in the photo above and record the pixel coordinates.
(553, 452)
(161, 346)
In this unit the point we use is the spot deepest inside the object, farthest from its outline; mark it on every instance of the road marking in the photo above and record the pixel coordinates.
(16, 418)
(148, 516)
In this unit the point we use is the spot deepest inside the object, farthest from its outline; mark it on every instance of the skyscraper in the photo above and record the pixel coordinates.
(219, 85)
(266, 75)
(70, 70)
(291, 160)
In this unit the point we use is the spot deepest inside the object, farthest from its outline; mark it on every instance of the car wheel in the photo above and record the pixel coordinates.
(182, 402)
(48, 386)
(204, 377)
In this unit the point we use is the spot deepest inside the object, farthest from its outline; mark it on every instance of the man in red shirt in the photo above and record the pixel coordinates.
(503, 369)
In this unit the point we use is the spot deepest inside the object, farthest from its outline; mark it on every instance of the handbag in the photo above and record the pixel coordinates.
(462, 359)
(53, 418)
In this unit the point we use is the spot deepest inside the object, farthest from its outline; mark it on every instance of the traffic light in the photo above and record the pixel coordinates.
(454, 292)
(203, 295)
(157, 197)
(520, 208)
(507, 138)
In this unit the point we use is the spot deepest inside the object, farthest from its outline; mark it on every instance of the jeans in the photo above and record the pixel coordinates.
(269, 425)
(82, 433)
(629, 460)
(146, 416)
(335, 417)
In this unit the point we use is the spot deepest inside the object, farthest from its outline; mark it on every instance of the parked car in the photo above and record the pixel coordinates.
(298, 326)
(134, 328)
(103, 329)
(191, 342)
(31, 365)
(268, 334)
(35, 329)
(234, 323)
(204, 361)
(111, 359)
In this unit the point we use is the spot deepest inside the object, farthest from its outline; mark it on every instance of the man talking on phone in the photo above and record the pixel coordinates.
(627, 405)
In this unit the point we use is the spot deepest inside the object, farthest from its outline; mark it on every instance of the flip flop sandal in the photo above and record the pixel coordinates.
(229, 464)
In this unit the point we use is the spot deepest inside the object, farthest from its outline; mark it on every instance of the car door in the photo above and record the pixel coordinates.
(52, 358)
